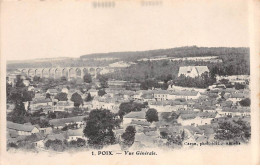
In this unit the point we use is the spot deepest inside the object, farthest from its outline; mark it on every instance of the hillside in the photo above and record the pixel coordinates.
(96, 59)
(172, 52)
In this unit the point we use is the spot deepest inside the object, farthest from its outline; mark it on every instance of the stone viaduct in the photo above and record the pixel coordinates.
(58, 72)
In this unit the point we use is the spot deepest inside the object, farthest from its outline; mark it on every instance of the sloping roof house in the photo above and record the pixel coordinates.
(22, 129)
(192, 71)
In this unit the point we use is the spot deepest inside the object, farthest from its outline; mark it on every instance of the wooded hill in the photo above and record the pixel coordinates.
(192, 51)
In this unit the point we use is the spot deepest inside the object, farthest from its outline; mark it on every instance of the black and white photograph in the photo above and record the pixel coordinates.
(138, 79)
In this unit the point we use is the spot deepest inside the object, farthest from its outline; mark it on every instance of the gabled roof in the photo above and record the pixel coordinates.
(240, 110)
(36, 101)
(161, 92)
(63, 121)
(60, 136)
(65, 103)
(200, 69)
(237, 95)
(207, 115)
(77, 132)
(52, 90)
(185, 93)
(136, 115)
(142, 123)
(188, 116)
(34, 137)
(20, 127)
(147, 96)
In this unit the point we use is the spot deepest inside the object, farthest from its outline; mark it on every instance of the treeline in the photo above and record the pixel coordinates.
(199, 82)
(188, 51)
(166, 70)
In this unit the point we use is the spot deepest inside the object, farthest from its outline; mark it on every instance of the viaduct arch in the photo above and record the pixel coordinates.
(58, 72)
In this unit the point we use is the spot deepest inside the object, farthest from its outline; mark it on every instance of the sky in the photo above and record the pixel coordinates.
(63, 28)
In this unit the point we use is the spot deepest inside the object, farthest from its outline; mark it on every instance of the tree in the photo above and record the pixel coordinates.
(127, 107)
(239, 86)
(19, 82)
(61, 96)
(55, 145)
(19, 114)
(164, 135)
(128, 137)
(63, 78)
(233, 130)
(101, 92)
(81, 142)
(152, 115)
(87, 78)
(174, 140)
(88, 98)
(36, 79)
(245, 102)
(103, 80)
(224, 81)
(44, 123)
(48, 95)
(99, 128)
(77, 111)
(27, 95)
(77, 99)
(8, 91)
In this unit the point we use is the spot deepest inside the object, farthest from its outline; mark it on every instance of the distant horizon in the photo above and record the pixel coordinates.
(67, 57)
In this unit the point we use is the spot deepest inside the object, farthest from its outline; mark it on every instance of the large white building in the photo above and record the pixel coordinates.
(192, 71)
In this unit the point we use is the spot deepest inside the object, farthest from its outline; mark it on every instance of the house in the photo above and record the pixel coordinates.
(138, 95)
(184, 94)
(117, 84)
(93, 92)
(52, 92)
(74, 135)
(161, 95)
(147, 97)
(63, 106)
(234, 78)
(132, 86)
(65, 90)
(36, 139)
(26, 83)
(135, 115)
(46, 131)
(62, 122)
(243, 112)
(31, 88)
(60, 136)
(142, 123)
(196, 118)
(192, 71)
(236, 97)
(167, 106)
(22, 129)
(36, 103)
(180, 88)
(105, 103)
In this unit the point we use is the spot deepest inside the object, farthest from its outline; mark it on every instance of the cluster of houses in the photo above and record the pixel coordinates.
(182, 111)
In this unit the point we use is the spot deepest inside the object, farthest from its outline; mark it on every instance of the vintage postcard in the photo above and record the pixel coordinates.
(118, 82)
